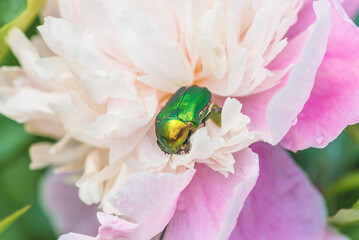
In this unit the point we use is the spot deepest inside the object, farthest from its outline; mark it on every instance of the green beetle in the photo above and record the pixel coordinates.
(185, 112)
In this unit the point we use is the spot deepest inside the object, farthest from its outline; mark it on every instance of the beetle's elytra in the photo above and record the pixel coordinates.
(186, 111)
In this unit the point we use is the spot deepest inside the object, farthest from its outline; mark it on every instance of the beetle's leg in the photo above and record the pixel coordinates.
(215, 115)
(162, 148)
(187, 146)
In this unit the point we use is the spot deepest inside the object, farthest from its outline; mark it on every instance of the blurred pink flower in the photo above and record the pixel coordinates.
(284, 72)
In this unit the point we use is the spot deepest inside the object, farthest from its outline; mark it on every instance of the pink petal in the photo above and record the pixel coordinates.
(334, 100)
(351, 7)
(209, 206)
(65, 209)
(274, 111)
(147, 202)
(283, 203)
(75, 236)
(306, 15)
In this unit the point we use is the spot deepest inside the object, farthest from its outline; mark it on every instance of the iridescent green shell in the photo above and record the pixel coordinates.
(184, 113)
(191, 105)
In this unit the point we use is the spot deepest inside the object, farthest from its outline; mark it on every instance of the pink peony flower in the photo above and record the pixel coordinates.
(100, 71)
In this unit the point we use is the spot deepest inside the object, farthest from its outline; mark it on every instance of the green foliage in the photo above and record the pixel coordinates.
(6, 222)
(216, 115)
(353, 132)
(19, 186)
(356, 20)
(346, 217)
(347, 184)
(10, 10)
(13, 12)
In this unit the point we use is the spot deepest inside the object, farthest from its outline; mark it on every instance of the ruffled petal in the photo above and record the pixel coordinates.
(274, 111)
(283, 204)
(65, 209)
(26, 102)
(209, 206)
(334, 100)
(147, 202)
(165, 64)
(65, 151)
(73, 42)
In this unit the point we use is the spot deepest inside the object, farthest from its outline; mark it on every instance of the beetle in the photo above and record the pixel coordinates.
(187, 110)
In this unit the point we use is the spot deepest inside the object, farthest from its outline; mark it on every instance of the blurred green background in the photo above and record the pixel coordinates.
(334, 170)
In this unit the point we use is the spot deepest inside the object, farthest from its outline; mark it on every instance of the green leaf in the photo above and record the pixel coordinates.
(356, 205)
(23, 21)
(10, 10)
(346, 217)
(216, 116)
(353, 132)
(356, 20)
(344, 185)
(12, 218)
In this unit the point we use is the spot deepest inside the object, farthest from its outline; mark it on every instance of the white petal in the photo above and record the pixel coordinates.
(73, 41)
(164, 62)
(148, 155)
(29, 103)
(44, 154)
(91, 193)
(51, 128)
(101, 85)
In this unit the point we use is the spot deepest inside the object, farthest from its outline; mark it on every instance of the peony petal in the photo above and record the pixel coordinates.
(28, 56)
(283, 203)
(73, 42)
(101, 85)
(351, 7)
(209, 206)
(65, 209)
(306, 17)
(76, 117)
(147, 202)
(100, 17)
(164, 62)
(24, 51)
(75, 236)
(46, 128)
(286, 104)
(29, 103)
(334, 99)
(91, 193)
(70, 10)
(54, 71)
(332, 234)
(274, 111)
(148, 155)
(41, 46)
(65, 151)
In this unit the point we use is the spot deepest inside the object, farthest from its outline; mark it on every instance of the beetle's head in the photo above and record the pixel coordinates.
(171, 134)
